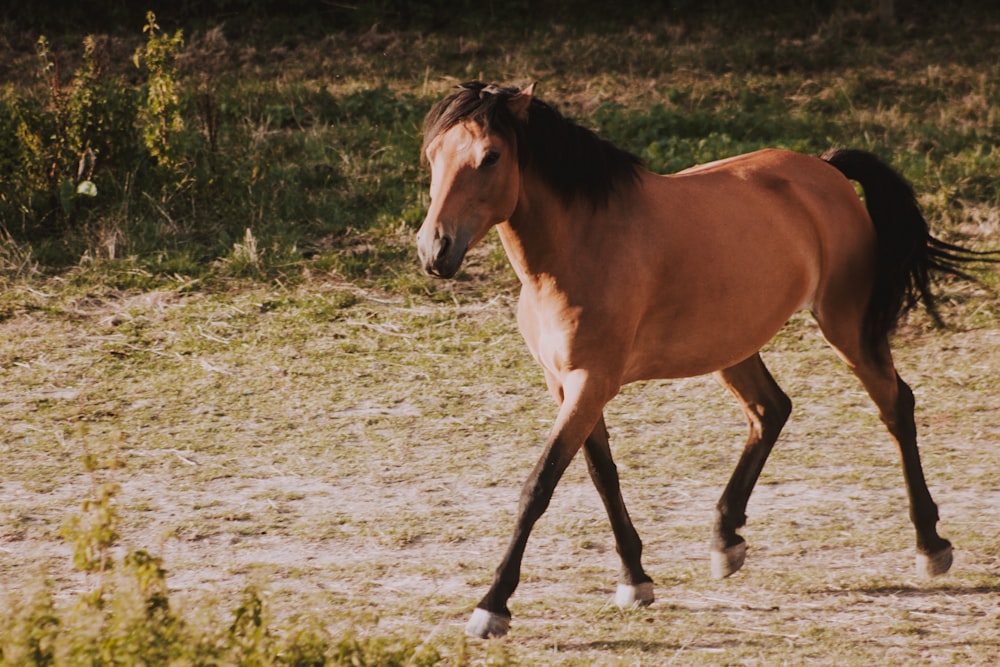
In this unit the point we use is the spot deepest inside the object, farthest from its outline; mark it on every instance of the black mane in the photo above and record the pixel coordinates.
(572, 160)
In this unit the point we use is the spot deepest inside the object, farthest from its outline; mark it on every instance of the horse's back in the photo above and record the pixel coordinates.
(755, 160)
(779, 203)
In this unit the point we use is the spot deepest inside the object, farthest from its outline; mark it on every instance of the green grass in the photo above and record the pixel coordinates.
(311, 429)
(314, 148)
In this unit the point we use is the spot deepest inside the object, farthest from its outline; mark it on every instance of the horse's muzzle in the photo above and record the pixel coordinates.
(442, 256)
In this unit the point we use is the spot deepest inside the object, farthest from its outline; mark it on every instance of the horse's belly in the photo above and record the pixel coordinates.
(665, 357)
(689, 337)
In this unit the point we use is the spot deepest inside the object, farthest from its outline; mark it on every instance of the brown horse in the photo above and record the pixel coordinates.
(627, 275)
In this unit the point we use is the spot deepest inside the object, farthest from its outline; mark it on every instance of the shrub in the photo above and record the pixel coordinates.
(127, 616)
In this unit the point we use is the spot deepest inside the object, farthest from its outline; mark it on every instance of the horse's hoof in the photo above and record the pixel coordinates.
(933, 565)
(728, 561)
(640, 595)
(485, 624)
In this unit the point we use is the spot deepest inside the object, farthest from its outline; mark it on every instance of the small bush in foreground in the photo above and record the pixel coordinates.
(127, 618)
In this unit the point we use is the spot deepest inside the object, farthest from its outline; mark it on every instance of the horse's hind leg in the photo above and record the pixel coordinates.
(766, 408)
(634, 585)
(895, 403)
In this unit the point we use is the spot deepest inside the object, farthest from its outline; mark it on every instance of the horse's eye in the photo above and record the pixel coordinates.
(490, 159)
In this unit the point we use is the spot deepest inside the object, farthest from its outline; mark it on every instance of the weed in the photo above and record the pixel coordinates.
(245, 259)
(160, 114)
(249, 636)
(31, 628)
(94, 530)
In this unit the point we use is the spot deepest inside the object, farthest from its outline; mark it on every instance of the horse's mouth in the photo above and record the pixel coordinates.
(445, 262)
(445, 269)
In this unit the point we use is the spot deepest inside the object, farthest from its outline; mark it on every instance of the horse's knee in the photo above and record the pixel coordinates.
(775, 415)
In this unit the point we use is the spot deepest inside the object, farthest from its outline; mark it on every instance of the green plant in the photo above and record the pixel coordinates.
(246, 259)
(249, 635)
(160, 112)
(151, 631)
(94, 530)
(31, 628)
(52, 162)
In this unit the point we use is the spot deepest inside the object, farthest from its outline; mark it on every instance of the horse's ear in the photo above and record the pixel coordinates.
(518, 104)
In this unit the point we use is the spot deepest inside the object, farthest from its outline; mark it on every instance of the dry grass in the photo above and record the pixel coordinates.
(360, 454)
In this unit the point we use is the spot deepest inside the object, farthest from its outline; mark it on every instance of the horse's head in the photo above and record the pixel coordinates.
(470, 142)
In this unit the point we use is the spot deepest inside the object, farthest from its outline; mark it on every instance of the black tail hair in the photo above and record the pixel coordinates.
(907, 253)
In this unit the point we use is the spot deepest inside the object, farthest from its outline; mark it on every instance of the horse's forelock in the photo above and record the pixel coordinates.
(572, 159)
(482, 103)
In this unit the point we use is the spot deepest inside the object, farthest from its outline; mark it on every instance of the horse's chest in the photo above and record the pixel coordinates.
(548, 330)
(562, 336)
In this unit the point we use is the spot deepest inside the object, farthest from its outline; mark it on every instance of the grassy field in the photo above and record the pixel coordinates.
(322, 449)
(357, 456)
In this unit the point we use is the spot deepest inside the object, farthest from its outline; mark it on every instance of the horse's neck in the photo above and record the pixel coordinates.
(538, 236)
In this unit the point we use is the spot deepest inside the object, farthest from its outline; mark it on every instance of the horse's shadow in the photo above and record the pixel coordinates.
(912, 591)
(720, 644)
(618, 646)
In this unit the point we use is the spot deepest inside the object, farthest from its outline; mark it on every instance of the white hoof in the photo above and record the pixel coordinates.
(485, 624)
(628, 596)
(726, 562)
(932, 565)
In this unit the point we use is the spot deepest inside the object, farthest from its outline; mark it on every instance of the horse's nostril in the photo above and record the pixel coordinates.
(443, 244)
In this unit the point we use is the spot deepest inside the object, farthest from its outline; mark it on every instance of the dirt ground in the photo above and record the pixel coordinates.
(364, 467)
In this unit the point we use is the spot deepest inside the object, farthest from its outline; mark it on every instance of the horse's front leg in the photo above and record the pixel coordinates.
(634, 585)
(583, 401)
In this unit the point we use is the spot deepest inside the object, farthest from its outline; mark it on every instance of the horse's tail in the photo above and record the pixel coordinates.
(907, 254)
